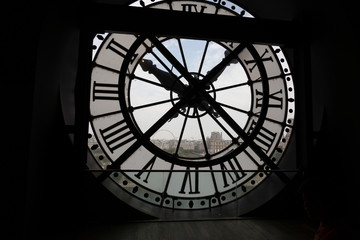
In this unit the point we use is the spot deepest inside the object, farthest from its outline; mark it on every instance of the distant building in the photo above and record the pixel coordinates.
(216, 143)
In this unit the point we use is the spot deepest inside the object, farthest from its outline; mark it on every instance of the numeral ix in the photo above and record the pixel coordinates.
(105, 91)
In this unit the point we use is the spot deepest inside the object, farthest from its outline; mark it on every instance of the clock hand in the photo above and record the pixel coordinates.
(216, 76)
(212, 76)
(169, 83)
(230, 58)
(199, 85)
(204, 104)
(166, 79)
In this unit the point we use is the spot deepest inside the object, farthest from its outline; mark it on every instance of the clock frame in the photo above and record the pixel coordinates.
(171, 185)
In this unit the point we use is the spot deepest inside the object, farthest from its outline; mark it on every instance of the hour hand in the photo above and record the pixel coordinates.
(168, 81)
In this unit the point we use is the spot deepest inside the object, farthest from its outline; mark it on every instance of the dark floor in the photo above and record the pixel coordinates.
(239, 229)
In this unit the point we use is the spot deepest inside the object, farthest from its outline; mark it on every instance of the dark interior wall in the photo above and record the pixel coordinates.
(18, 61)
(53, 173)
(332, 33)
(45, 188)
(334, 63)
(41, 179)
(39, 175)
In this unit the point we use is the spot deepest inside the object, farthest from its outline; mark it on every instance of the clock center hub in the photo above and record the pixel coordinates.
(197, 106)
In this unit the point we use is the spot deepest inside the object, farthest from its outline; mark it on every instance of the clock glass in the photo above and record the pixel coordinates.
(185, 127)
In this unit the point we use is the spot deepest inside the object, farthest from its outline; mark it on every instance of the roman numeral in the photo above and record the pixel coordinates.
(235, 172)
(192, 8)
(191, 179)
(105, 91)
(264, 138)
(148, 166)
(119, 49)
(115, 135)
(253, 63)
(275, 99)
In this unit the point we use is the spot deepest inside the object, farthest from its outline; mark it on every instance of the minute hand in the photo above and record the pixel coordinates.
(230, 57)
(216, 76)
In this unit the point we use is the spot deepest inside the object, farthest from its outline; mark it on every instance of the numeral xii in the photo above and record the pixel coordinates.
(191, 179)
(192, 8)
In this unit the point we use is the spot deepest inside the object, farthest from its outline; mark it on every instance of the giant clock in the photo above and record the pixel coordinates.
(189, 127)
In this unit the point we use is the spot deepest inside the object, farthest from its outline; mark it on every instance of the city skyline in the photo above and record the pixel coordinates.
(193, 148)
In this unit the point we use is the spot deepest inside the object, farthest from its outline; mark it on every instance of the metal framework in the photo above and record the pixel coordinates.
(118, 18)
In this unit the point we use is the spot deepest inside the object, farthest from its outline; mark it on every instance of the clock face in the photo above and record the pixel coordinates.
(183, 126)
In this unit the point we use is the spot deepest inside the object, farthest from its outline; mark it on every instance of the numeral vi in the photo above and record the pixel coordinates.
(191, 179)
